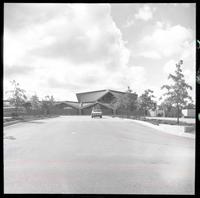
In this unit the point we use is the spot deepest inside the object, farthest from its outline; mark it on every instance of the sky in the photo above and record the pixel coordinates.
(64, 49)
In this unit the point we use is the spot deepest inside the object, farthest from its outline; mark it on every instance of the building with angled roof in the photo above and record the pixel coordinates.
(87, 100)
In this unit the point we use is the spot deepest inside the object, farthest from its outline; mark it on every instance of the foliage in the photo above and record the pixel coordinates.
(47, 104)
(190, 106)
(116, 104)
(35, 103)
(177, 93)
(169, 110)
(18, 97)
(27, 106)
(127, 101)
(146, 101)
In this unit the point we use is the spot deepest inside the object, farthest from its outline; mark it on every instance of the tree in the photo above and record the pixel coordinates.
(169, 110)
(127, 101)
(47, 104)
(190, 106)
(35, 103)
(177, 93)
(146, 102)
(116, 104)
(18, 97)
(27, 106)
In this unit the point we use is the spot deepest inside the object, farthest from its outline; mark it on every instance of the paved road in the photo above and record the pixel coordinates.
(84, 155)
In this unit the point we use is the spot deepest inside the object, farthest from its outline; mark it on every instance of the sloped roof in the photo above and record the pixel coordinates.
(73, 104)
(117, 94)
(93, 96)
(69, 103)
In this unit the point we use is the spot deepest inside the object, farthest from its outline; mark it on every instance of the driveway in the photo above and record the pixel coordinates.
(77, 154)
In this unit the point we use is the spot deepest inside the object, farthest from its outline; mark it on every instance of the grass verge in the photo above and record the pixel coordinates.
(158, 121)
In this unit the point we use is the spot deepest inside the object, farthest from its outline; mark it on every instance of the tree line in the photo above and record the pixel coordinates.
(175, 98)
(19, 100)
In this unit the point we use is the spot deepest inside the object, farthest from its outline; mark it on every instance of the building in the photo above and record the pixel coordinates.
(9, 110)
(88, 100)
(157, 113)
(188, 113)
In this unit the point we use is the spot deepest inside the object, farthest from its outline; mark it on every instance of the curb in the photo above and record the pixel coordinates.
(11, 123)
(15, 122)
(24, 120)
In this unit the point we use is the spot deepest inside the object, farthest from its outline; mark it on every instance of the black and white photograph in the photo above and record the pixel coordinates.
(99, 98)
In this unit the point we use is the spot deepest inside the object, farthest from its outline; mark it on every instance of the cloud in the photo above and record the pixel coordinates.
(145, 13)
(63, 49)
(80, 32)
(22, 15)
(21, 70)
(150, 54)
(167, 40)
(91, 78)
(129, 22)
(170, 66)
(189, 52)
(133, 76)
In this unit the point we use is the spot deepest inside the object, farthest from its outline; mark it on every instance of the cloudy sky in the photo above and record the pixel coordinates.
(62, 49)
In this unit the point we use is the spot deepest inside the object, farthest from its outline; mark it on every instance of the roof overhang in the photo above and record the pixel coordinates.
(70, 104)
(95, 103)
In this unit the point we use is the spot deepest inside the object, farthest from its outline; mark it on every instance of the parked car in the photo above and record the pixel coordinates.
(96, 113)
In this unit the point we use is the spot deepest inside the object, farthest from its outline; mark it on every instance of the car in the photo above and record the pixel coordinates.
(96, 113)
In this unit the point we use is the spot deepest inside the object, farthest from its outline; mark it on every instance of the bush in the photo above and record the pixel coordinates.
(14, 114)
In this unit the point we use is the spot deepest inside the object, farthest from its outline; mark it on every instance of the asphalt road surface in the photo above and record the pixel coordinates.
(78, 154)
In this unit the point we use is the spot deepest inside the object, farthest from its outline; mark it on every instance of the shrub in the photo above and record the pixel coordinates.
(14, 114)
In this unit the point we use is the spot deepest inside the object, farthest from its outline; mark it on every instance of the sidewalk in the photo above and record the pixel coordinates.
(188, 120)
(171, 129)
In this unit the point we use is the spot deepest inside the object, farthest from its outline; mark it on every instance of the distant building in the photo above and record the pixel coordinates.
(87, 100)
(157, 113)
(9, 109)
(188, 113)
